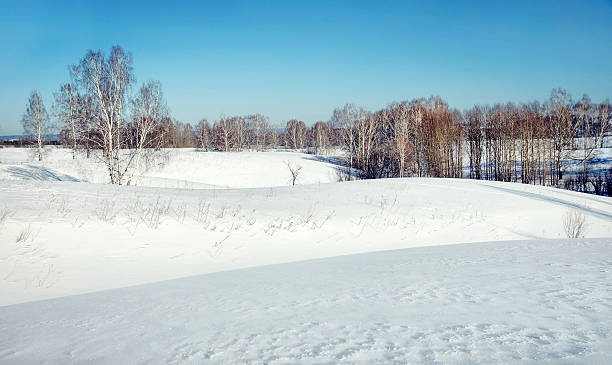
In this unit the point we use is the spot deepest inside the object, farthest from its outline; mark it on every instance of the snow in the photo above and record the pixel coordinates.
(172, 270)
(502, 302)
(175, 168)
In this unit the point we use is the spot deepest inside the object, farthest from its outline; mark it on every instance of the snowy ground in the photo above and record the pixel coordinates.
(201, 213)
(184, 168)
(505, 302)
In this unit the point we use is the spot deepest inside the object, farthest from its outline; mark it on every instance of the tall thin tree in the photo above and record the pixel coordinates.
(66, 110)
(36, 121)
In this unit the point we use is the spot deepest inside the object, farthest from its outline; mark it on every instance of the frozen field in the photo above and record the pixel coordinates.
(538, 298)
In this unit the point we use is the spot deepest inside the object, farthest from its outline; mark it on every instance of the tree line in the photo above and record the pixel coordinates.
(99, 110)
(531, 143)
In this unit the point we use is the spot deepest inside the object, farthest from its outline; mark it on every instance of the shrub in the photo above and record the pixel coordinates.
(574, 223)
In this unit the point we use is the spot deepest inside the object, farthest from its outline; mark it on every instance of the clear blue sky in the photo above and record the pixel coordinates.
(299, 60)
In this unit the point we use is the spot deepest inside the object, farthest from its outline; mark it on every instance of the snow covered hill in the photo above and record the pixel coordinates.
(65, 233)
(546, 301)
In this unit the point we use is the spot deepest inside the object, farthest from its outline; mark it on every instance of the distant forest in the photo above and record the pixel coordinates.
(529, 143)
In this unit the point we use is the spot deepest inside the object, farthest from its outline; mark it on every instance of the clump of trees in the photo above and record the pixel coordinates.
(253, 132)
(412, 138)
(529, 143)
(533, 143)
(98, 111)
(123, 126)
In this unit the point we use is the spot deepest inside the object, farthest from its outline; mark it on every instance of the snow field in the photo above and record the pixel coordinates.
(174, 168)
(530, 302)
(85, 237)
(85, 266)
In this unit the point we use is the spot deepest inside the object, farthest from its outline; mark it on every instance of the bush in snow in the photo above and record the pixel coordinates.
(574, 223)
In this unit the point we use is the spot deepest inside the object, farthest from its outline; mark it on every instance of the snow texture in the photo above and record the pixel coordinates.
(510, 302)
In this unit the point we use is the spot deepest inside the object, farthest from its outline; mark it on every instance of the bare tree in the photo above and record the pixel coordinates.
(321, 134)
(149, 109)
(223, 131)
(345, 119)
(241, 131)
(294, 170)
(274, 136)
(88, 136)
(561, 129)
(203, 134)
(296, 134)
(36, 121)
(107, 81)
(604, 121)
(180, 134)
(399, 115)
(474, 121)
(260, 126)
(586, 118)
(442, 139)
(367, 129)
(66, 104)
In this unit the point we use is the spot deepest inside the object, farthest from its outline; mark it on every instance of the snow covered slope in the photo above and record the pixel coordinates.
(63, 238)
(545, 301)
(174, 168)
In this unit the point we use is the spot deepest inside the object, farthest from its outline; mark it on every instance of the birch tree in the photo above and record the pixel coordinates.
(66, 104)
(400, 113)
(223, 132)
(604, 121)
(203, 134)
(321, 136)
(367, 130)
(345, 119)
(585, 117)
(260, 127)
(36, 121)
(240, 129)
(88, 137)
(561, 129)
(149, 109)
(474, 119)
(296, 134)
(107, 80)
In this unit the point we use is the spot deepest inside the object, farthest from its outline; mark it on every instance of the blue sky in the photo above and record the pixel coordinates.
(299, 60)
